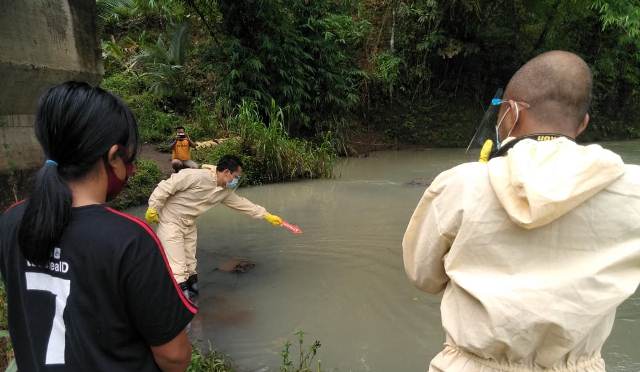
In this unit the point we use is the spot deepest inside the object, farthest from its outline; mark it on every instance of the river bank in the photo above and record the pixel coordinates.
(154, 165)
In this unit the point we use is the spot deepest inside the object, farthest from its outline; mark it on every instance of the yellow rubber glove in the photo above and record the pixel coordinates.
(273, 219)
(486, 151)
(152, 215)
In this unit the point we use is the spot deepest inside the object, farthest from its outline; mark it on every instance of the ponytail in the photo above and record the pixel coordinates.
(76, 125)
(46, 215)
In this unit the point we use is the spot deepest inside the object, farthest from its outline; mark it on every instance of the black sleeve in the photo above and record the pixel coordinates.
(156, 306)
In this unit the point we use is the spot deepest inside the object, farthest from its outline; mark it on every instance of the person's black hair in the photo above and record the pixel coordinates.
(76, 125)
(180, 128)
(230, 162)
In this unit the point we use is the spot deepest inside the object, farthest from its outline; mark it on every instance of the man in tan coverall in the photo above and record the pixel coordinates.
(536, 248)
(177, 202)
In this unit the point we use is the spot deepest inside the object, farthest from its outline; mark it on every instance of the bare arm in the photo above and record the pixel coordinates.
(175, 355)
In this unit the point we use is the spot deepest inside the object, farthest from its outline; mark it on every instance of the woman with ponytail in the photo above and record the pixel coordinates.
(88, 287)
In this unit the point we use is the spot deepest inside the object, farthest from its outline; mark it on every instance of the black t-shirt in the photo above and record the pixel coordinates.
(106, 296)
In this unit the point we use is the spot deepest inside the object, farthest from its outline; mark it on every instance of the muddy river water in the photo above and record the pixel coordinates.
(342, 281)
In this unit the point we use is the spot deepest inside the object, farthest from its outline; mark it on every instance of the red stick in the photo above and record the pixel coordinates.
(291, 227)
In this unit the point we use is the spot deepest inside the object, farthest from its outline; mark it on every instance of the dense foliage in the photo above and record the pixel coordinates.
(268, 153)
(447, 58)
(419, 71)
(302, 55)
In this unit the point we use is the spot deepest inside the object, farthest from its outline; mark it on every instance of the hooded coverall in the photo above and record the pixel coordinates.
(179, 201)
(534, 251)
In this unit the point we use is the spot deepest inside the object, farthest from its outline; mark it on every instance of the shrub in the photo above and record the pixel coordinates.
(123, 84)
(268, 153)
(154, 124)
(306, 356)
(209, 361)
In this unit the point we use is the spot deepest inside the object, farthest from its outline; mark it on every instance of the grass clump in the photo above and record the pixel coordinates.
(269, 154)
(209, 361)
(154, 122)
(305, 356)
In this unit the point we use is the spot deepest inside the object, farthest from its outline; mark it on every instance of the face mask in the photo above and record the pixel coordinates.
(115, 184)
(233, 183)
(513, 104)
(182, 135)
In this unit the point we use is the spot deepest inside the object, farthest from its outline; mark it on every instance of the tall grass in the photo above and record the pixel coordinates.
(306, 356)
(269, 153)
(304, 359)
(208, 361)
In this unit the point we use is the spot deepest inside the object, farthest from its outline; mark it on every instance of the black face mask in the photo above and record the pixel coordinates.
(182, 136)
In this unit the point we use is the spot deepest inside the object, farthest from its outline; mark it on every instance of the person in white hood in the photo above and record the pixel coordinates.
(177, 202)
(536, 248)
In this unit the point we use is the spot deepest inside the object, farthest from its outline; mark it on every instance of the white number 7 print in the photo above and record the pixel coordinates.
(60, 289)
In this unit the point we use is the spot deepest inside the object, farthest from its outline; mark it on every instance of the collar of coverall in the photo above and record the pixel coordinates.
(212, 171)
(510, 142)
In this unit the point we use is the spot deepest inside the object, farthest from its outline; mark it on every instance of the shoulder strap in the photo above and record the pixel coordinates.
(540, 137)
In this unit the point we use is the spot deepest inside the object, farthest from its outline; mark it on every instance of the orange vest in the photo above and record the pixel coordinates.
(181, 150)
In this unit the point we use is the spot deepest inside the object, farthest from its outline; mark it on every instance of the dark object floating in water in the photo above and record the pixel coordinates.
(420, 182)
(236, 265)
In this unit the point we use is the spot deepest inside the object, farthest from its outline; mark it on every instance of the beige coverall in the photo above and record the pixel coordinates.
(534, 251)
(179, 201)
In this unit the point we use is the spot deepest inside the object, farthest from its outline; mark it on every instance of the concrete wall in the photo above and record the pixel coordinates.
(42, 43)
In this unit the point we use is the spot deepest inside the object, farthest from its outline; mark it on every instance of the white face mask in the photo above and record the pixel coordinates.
(515, 122)
(233, 183)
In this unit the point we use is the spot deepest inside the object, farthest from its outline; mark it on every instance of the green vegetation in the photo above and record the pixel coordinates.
(301, 360)
(435, 64)
(267, 151)
(417, 71)
(302, 55)
(162, 58)
(209, 361)
(289, 82)
(305, 355)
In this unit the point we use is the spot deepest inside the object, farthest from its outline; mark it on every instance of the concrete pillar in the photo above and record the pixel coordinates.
(42, 43)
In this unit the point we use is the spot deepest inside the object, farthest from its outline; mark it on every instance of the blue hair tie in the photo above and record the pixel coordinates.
(51, 163)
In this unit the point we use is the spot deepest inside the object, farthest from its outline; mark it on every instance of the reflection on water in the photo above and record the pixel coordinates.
(342, 281)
